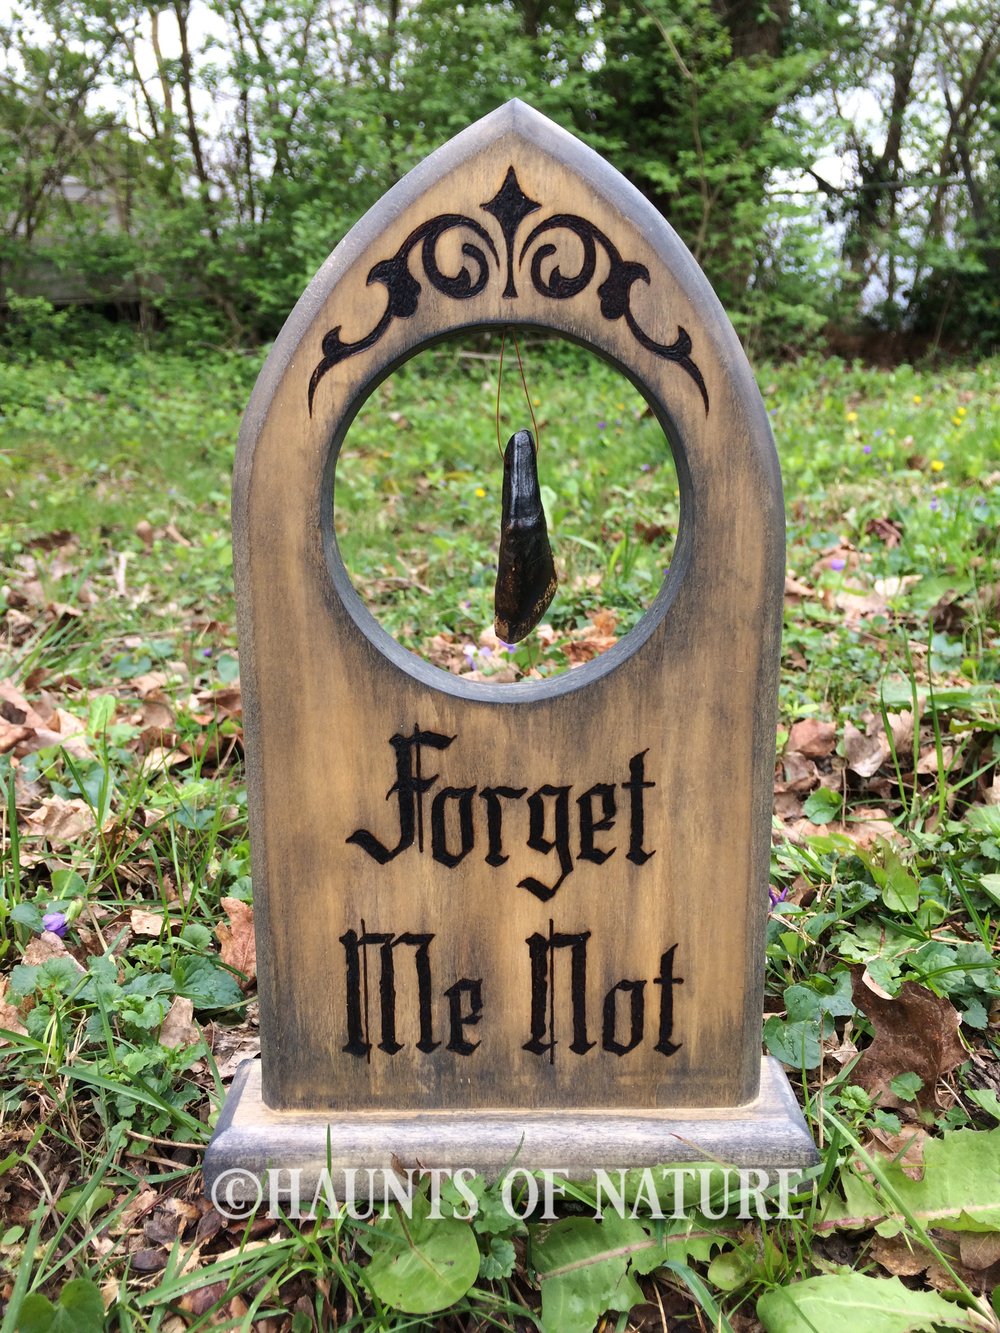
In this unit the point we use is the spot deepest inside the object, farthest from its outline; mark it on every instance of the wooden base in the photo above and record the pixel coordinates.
(250, 1138)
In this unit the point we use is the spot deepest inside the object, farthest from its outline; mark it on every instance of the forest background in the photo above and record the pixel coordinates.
(834, 167)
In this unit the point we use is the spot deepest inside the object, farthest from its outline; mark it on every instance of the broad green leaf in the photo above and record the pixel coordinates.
(27, 914)
(823, 806)
(974, 1013)
(79, 1310)
(197, 935)
(960, 1186)
(101, 711)
(583, 1267)
(987, 1100)
(795, 1044)
(207, 986)
(68, 884)
(900, 890)
(898, 694)
(694, 1238)
(676, 1191)
(499, 1262)
(985, 817)
(228, 668)
(801, 1003)
(959, 1189)
(991, 884)
(906, 1086)
(841, 1301)
(421, 1264)
(82, 1206)
(732, 1269)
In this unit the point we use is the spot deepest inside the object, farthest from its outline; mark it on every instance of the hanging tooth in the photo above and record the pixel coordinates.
(526, 575)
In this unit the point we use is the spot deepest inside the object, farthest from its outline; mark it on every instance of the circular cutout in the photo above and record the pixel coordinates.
(418, 492)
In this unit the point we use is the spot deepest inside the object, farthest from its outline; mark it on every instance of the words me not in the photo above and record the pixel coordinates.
(453, 825)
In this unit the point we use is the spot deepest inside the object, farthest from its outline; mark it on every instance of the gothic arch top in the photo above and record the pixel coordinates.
(512, 222)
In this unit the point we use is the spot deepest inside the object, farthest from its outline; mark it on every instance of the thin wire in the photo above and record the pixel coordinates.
(524, 386)
(503, 340)
(527, 395)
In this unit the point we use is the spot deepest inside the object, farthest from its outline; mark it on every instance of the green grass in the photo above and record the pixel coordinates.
(119, 633)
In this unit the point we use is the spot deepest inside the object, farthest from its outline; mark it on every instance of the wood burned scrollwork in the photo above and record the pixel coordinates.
(510, 206)
(404, 289)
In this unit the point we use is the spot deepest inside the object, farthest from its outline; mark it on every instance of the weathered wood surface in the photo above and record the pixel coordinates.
(673, 893)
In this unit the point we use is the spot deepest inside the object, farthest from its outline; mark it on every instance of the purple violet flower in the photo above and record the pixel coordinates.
(838, 563)
(601, 425)
(54, 922)
(934, 504)
(866, 449)
(778, 895)
(645, 467)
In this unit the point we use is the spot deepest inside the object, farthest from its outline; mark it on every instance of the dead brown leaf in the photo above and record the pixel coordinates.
(868, 825)
(10, 1015)
(796, 591)
(150, 1260)
(908, 1260)
(651, 532)
(149, 683)
(60, 821)
(201, 1300)
(858, 605)
(812, 737)
(175, 535)
(15, 708)
(906, 1148)
(885, 530)
(928, 761)
(800, 773)
(178, 1027)
(979, 1250)
(865, 754)
(899, 1257)
(11, 734)
(147, 924)
(45, 947)
(236, 939)
(915, 1032)
(787, 806)
(159, 759)
(140, 1205)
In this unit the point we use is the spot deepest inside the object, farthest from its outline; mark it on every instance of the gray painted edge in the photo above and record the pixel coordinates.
(251, 1139)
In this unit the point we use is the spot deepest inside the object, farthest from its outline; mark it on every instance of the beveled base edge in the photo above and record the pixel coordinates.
(251, 1138)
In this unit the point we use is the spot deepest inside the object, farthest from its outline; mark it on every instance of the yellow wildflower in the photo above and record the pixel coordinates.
(937, 465)
(961, 412)
(917, 399)
(480, 493)
(852, 416)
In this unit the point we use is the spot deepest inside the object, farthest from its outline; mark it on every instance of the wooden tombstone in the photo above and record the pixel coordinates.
(502, 915)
